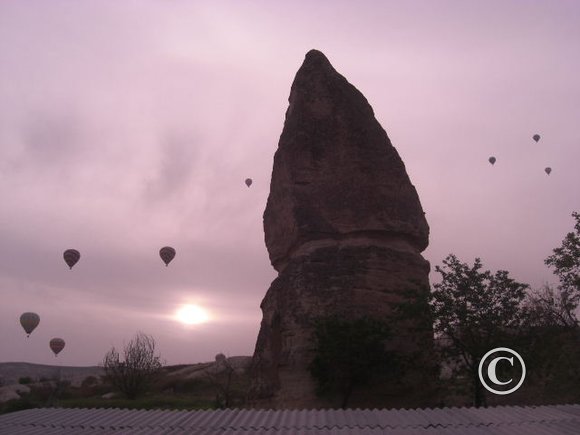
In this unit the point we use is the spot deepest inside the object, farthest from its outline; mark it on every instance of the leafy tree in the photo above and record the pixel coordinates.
(552, 350)
(552, 347)
(349, 353)
(133, 375)
(475, 311)
(566, 264)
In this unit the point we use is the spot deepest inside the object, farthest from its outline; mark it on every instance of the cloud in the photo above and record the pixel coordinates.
(125, 128)
(177, 162)
(51, 139)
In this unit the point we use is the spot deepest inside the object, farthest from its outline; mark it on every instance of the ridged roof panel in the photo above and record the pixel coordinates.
(560, 419)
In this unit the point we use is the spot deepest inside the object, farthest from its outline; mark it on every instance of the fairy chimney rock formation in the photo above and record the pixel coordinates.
(344, 229)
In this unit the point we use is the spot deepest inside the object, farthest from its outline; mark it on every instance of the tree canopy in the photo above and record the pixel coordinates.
(349, 353)
(565, 261)
(474, 311)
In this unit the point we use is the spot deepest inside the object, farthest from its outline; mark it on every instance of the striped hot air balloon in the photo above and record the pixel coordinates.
(29, 322)
(71, 257)
(56, 345)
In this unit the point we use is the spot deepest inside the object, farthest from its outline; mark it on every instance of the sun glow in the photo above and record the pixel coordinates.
(191, 315)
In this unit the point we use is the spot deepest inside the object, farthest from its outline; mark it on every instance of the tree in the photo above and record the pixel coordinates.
(349, 353)
(221, 376)
(565, 261)
(475, 311)
(140, 365)
(553, 350)
(549, 307)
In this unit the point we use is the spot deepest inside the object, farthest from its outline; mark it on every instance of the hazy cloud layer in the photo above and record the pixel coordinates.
(125, 127)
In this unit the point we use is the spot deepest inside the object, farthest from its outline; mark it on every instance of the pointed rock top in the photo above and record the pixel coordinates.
(315, 56)
(315, 64)
(315, 61)
(318, 86)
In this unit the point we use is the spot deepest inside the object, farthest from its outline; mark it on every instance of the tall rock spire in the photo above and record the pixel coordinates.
(344, 228)
(336, 172)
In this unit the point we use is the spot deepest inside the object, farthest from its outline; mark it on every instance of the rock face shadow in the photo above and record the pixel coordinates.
(345, 229)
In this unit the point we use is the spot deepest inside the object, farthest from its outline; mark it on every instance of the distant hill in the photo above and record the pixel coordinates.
(199, 370)
(186, 385)
(11, 372)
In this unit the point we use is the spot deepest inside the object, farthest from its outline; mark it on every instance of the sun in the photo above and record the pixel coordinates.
(191, 315)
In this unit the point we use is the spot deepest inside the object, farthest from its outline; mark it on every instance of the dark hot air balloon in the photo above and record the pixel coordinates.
(29, 322)
(491, 160)
(536, 137)
(248, 182)
(71, 257)
(167, 254)
(56, 345)
(548, 170)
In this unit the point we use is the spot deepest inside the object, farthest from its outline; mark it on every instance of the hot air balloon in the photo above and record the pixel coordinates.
(167, 253)
(29, 322)
(492, 160)
(536, 137)
(548, 170)
(71, 257)
(56, 345)
(248, 182)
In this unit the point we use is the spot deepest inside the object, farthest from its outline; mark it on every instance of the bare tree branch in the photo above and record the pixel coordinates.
(134, 373)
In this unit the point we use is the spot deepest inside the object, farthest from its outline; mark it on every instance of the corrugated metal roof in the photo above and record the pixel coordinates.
(557, 419)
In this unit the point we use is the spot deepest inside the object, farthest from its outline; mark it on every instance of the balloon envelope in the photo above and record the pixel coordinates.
(536, 137)
(71, 257)
(56, 345)
(248, 182)
(492, 160)
(167, 254)
(548, 170)
(29, 322)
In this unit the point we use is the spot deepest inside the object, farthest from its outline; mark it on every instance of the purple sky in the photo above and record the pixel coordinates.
(127, 126)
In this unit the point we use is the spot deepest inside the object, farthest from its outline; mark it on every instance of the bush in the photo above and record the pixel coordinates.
(17, 405)
(349, 353)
